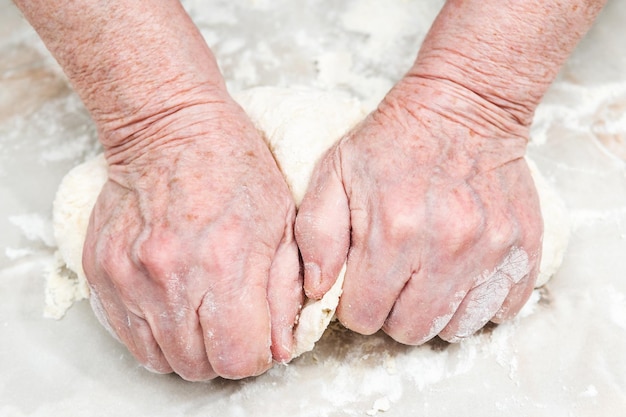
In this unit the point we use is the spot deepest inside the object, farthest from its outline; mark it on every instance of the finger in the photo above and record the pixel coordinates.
(237, 349)
(520, 293)
(170, 306)
(529, 213)
(234, 313)
(147, 350)
(518, 296)
(284, 293)
(427, 303)
(100, 313)
(485, 299)
(323, 227)
(130, 330)
(477, 308)
(179, 335)
(375, 276)
(176, 329)
(109, 307)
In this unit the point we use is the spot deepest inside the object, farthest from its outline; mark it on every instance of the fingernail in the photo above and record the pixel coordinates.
(312, 275)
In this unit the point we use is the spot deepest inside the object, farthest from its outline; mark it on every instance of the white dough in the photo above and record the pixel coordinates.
(71, 210)
(556, 227)
(299, 125)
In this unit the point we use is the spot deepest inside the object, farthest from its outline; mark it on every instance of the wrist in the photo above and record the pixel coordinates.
(193, 123)
(125, 105)
(484, 81)
(457, 104)
(453, 126)
(146, 62)
(138, 118)
(132, 62)
(505, 51)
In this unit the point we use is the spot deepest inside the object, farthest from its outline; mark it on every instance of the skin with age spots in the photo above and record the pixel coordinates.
(421, 198)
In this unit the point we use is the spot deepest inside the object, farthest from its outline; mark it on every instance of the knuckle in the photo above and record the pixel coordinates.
(402, 222)
(158, 255)
(400, 227)
(458, 219)
(502, 234)
(459, 234)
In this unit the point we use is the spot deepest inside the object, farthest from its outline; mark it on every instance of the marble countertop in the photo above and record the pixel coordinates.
(564, 356)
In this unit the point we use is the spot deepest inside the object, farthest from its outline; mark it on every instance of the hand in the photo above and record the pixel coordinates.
(434, 207)
(190, 252)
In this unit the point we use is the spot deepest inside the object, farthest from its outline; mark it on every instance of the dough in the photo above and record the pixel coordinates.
(299, 125)
(71, 210)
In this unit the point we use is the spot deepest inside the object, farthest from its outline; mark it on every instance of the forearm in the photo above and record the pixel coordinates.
(130, 61)
(505, 51)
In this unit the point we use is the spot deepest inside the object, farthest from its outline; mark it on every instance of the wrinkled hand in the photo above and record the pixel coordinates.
(190, 252)
(434, 207)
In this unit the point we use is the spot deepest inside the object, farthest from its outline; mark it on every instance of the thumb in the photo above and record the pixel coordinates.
(322, 227)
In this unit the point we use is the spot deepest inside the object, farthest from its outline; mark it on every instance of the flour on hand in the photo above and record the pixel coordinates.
(298, 124)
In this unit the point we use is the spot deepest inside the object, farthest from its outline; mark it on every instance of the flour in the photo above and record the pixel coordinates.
(299, 125)
(380, 405)
(34, 227)
(489, 294)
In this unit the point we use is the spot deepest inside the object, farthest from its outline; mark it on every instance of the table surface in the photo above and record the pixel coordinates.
(563, 357)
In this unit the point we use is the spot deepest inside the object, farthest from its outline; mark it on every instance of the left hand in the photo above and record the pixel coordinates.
(434, 207)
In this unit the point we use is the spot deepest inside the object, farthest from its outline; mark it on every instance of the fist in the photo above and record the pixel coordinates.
(430, 202)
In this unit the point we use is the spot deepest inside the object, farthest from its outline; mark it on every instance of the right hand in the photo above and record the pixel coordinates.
(190, 253)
